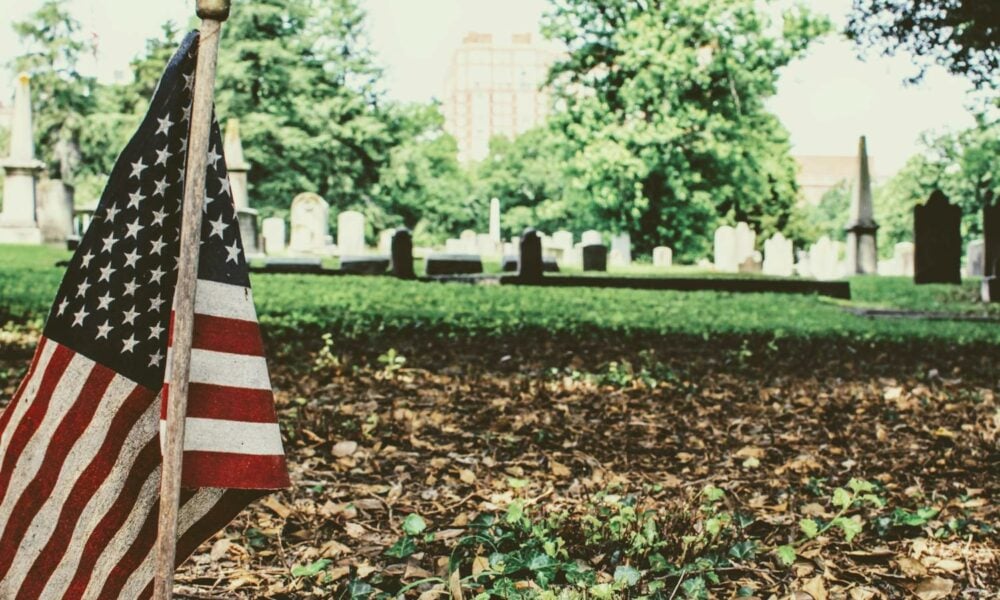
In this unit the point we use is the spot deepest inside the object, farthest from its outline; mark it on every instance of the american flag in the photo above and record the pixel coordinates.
(79, 442)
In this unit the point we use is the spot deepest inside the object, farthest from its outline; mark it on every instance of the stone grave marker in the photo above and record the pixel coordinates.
(779, 256)
(310, 225)
(351, 233)
(595, 257)
(591, 237)
(273, 234)
(529, 264)
(724, 250)
(975, 258)
(902, 258)
(402, 254)
(21, 169)
(937, 236)
(663, 257)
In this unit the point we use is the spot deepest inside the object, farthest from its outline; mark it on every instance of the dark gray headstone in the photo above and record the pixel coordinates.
(364, 265)
(509, 264)
(529, 265)
(595, 257)
(402, 254)
(453, 264)
(991, 240)
(249, 230)
(937, 240)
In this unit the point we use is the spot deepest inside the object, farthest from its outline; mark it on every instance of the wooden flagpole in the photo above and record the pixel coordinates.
(212, 13)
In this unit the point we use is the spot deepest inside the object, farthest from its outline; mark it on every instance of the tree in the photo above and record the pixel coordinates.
(301, 79)
(809, 222)
(61, 95)
(527, 175)
(664, 112)
(961, 35)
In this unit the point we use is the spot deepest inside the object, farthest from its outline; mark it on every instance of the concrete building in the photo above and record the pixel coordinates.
(494, 88)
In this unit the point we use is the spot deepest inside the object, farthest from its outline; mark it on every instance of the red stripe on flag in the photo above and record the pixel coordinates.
(65, 436)
(137, 552)
(145, 463)
(209, 401)
(227, 335)
(5, 417)
(87, 484)
(238, 471)
(33, 417)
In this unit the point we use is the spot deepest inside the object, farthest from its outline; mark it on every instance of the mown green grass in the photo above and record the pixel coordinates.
(368, 307)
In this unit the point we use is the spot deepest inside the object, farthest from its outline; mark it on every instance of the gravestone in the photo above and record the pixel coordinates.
(746, 241)
(621, 250)
(452, 264)
(55, 211)
(18, 224)
(470, 242)
(236, 164)
(902, 258)
(937, 235)
(529, 264)
(385, 240)
(724, 250)
(454, 246)
(779, 256)
(751, 264)
(975, 258)
(824, 259)
(297, 264)
(351, 233)
(367, 264)
(310, 225)
(663, 257)
(991, 252)
(563, 239)
(509, 264)
(273, 234)
(485, 246)
(595, 257)
(862, 251)
(591, 237)
(495, 221)
(402, 254)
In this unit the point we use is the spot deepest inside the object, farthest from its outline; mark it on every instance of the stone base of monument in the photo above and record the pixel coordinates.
(549, 264)
(20, 235)
(452, 264)
(364, 265)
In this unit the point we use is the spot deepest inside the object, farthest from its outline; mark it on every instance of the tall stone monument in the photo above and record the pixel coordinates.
(495, 221)
(937, 234)
(237, 166)
(862, 252)
(18, 223)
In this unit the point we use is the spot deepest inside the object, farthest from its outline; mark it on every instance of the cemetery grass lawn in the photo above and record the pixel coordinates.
(603, 443)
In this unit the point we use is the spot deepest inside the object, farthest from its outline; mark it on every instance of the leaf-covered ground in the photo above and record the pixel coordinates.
(613, 470)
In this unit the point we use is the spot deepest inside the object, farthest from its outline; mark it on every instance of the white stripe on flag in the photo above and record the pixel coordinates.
(233, 437)
(105, 497)
(223, 368)
(63, 396)
(224, 300)
(79, 457)
(30, 390)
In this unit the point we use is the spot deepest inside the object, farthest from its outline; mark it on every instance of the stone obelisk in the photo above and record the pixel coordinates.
(237, 166)
(18, 222)
(862, 252)
(495, 220)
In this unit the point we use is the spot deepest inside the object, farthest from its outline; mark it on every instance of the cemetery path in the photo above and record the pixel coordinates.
(615, 456)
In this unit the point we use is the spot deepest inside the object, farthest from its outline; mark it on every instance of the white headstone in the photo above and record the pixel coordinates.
(454, 246)
(17, 221)
(591, 237)
(236, 164)
(55, 210)
(724, 250)
(779, 257)
(385, 241)
(470, 244)
(902, 255)
(975, 258)
(746, 240)
(273, 232)
(486, 246)
(310, 224)
(824, 259)
(663, 257)
(621, 250)
(495, 220)
(562, 239)
(351, 233)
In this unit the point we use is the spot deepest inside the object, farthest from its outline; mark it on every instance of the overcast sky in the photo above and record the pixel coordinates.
(826, 99)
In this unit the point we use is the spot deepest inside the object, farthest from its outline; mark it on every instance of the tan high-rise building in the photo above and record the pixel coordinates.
(495, 88)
